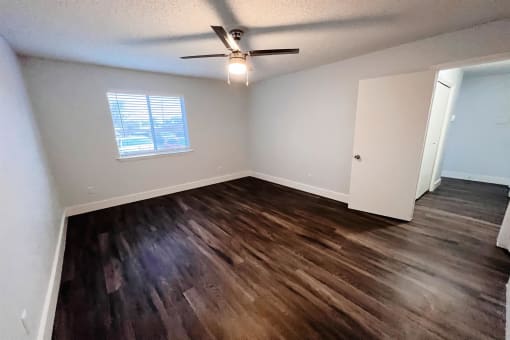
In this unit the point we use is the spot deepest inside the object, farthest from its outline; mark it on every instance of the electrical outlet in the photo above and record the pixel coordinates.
(91, 190)
(24, 323)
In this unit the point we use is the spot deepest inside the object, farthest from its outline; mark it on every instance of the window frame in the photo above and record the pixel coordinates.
(153, 154)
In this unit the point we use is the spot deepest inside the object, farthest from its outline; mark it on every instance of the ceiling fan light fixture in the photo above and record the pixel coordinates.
(237, 65)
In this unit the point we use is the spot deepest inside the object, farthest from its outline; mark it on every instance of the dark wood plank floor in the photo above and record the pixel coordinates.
(483, 201)
(248, 259)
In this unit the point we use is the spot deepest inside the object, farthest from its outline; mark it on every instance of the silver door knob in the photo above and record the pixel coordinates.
(358, 157)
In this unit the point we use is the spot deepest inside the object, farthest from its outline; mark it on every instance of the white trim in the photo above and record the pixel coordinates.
(334, 195)
(140, 156)
(450, 106)
(119, 200)
(50, 301)
(476, 177)
(146, 92)
(507, 325)
(435, 185)
(473, 61)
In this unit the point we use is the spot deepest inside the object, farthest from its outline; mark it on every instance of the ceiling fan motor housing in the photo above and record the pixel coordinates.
(237, 56)
(236, 34)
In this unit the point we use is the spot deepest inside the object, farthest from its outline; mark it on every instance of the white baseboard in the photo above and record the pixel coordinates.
(50, 301)
(337, 196)
(435, 185)
(119, 200)
(476, 177)
(507, 325)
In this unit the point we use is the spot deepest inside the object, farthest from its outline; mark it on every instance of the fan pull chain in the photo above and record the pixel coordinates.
(228, 77)
(247, 81)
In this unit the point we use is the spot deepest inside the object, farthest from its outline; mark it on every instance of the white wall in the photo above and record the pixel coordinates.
(70, 105)
(302, 124)
(478, 142)
(29, 209)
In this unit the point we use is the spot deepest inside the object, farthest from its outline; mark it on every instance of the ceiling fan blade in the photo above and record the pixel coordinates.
(226, 38)
(256, 53)
(205, 56)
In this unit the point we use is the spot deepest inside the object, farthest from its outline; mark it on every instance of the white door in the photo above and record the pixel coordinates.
(391, 121)
(435, 127)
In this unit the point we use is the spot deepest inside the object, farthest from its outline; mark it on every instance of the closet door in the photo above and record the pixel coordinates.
(435, 128)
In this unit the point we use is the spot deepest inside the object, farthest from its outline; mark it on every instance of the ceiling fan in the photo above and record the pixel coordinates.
(236, 57)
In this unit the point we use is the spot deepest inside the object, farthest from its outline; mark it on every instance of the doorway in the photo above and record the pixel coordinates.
(399, 146)
(477, 143)
(468, 141)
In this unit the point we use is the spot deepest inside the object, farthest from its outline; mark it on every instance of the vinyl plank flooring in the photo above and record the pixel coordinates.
(248, 259)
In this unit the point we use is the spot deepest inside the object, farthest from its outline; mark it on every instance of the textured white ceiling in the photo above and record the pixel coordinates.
(152, 34)
(488, 69)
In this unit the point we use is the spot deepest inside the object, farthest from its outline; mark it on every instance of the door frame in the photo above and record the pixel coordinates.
(431, 184)
(491, 58)
(445, 66)
(444, 131)
(470, 62)
(437, 68)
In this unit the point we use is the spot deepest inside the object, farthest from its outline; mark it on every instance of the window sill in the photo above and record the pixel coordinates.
(153, 155)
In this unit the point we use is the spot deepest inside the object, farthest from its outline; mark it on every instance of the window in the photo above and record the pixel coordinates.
(146, 125)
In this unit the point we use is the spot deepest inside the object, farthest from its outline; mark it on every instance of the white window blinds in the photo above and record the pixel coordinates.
(148, 124)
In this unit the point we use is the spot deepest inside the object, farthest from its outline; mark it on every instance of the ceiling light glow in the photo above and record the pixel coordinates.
(237, 65)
